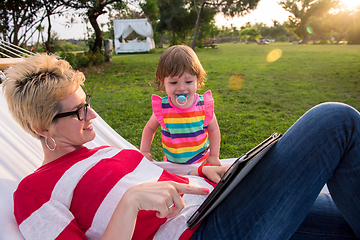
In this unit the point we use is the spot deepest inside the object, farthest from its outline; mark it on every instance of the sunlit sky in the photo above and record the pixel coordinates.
(266, 11)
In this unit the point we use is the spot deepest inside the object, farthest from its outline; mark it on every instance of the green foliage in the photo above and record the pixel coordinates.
(21, 14)
(54, 42)
(175, 17)
(272, 97)
(69, 47)
(231, 7)
(303, 10)
(151, 10)
(250, 34)
(83, 59)
(353, 36)
(282, 38)
(93, 9)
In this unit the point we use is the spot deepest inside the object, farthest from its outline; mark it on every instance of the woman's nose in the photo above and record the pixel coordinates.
(91, 114)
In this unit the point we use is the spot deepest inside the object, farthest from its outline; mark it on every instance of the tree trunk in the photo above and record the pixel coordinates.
(98, 34)
(161, 42)
(197, 25)
(37, 43)
(173, 35)
(47, 43)
(16, 31)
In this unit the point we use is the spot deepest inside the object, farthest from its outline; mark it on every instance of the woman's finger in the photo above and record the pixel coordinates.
(189, 189)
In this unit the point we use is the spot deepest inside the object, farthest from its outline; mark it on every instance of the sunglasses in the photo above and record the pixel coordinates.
(80, 112)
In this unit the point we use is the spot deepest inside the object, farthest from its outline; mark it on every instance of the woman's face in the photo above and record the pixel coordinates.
(69, 132)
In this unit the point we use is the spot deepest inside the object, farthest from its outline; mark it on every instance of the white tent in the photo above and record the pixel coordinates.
(123, 28)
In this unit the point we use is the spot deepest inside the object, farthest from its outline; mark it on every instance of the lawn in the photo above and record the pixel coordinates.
(273, 94)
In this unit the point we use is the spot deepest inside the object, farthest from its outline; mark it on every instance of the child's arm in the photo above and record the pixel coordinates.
(214, 138)
(147, 136)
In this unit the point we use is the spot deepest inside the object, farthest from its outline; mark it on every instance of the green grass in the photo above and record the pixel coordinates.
(273, 96)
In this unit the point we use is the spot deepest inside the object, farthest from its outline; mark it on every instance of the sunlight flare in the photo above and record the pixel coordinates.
(236, 81)
(351, 3)
(274, 55)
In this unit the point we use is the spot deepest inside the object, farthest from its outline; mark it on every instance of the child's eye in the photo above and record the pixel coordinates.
(172, 83)
(189, 82)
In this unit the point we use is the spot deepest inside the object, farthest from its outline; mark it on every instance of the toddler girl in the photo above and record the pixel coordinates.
(189, 129)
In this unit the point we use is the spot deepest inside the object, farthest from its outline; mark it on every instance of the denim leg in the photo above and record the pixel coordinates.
(276, 196)
(324, 221)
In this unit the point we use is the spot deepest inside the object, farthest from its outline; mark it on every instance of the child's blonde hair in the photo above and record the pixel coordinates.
(175, 61)
(34, 88)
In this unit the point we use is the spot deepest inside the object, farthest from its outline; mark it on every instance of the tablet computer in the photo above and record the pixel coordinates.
(236, 172)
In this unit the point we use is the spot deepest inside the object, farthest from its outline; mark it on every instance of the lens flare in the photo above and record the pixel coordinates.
(274, 55)
(309, 30)
(236, 81)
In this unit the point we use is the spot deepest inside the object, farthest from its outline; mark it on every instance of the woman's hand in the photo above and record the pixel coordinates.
(214, 173)
(158, 196)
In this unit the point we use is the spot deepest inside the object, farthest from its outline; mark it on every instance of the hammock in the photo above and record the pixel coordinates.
(11, 54)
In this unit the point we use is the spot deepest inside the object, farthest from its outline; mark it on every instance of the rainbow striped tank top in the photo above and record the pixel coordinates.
(184, 131)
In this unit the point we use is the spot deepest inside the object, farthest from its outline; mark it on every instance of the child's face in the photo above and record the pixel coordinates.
(186, 84)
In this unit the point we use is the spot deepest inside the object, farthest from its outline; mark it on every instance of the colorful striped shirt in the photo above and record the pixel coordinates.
(184, 131)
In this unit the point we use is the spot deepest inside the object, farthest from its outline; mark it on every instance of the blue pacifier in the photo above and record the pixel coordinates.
(181, 98)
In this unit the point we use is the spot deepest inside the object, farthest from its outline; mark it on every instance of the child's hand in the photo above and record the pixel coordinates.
(147, 155)
(214, 173)
(213, 160)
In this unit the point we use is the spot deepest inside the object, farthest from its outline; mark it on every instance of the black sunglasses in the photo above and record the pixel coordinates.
(80, 112)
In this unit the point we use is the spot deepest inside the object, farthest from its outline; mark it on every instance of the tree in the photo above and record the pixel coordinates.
(319, 29)
(70, 22)
(174, 17)
(302, 10)
(40, 30)
(353, 35)
(341, 23)
(4, 19)
(151, 11)
(22, 18)
(94, 8)
(51, 7)
(250, 34)
(16, 15)
(229, 8)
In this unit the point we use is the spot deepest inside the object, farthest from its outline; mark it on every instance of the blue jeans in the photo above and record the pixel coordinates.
(279, 198)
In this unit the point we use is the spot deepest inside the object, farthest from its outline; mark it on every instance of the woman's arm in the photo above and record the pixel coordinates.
(214, 138)
(147, 196)
(148, 136)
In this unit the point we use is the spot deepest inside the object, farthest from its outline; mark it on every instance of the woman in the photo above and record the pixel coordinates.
(107, 193)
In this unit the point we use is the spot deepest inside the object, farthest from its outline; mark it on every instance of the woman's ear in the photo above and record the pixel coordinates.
(44, 133)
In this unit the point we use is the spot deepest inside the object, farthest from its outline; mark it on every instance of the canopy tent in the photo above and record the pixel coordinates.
(123, 28)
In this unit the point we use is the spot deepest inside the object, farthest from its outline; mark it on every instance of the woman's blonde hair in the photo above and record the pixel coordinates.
(175, 61)
(34, 88)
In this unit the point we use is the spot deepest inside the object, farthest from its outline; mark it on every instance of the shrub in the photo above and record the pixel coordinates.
(83, 59)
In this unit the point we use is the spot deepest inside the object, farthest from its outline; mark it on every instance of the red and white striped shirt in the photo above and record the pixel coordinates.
(75, 196)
